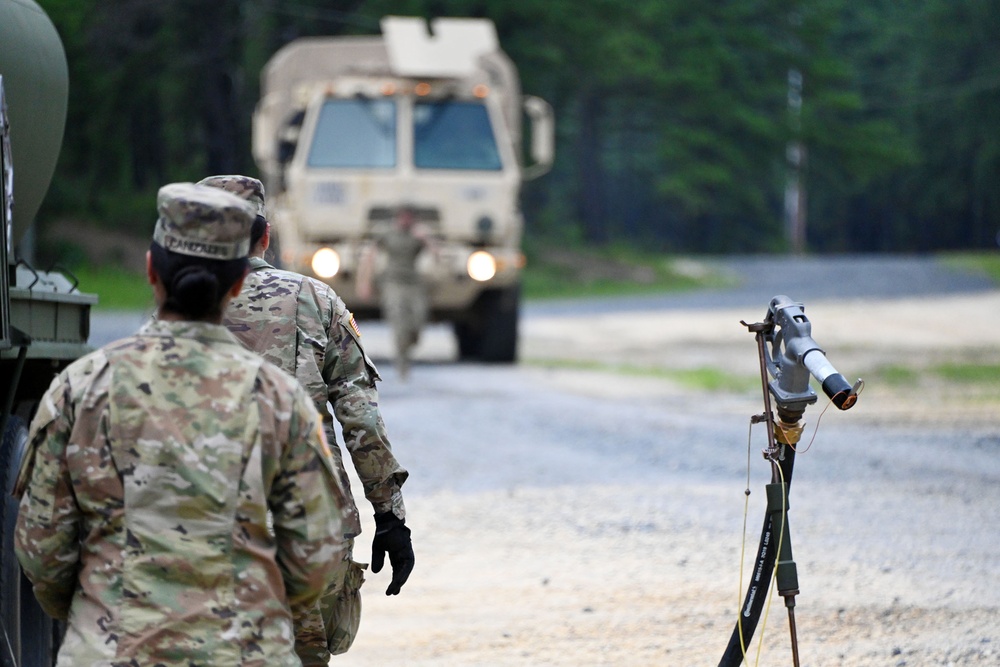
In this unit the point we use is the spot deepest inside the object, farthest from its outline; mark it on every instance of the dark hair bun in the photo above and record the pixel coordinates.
(196, 288)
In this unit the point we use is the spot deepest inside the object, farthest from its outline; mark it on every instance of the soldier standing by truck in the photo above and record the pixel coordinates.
(180, 504)
(401, 289)
(301, 325)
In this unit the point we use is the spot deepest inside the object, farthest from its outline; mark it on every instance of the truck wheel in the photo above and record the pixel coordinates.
(31, 633)
(500, 315)
(469, 341)
(491, 335)
(15, 438)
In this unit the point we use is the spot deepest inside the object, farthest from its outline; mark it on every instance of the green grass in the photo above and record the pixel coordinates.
(898, 376)
(967, 373)
(707, 379)
(116, 288)
(957, 373)
(983, 263)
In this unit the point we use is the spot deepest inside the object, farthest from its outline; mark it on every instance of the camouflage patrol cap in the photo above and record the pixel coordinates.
(202, 221)
(242, 186)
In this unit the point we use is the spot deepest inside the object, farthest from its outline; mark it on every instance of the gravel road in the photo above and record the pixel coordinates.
(569, 515)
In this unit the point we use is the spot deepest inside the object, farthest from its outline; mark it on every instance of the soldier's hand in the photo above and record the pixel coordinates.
(392, 537)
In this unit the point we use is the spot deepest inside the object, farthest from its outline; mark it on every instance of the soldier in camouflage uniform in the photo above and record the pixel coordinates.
(401, 289)
(154, 463)
(301, 325)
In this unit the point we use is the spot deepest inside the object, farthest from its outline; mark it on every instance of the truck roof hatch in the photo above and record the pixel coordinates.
(451, 50)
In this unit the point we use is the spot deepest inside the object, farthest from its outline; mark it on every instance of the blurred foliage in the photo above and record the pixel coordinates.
(116, 288)
(673, 116)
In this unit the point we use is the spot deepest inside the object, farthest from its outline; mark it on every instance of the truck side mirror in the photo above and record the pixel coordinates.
(539, 112)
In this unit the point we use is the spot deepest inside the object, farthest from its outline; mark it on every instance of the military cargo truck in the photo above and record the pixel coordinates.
(44, 319)
(350, 129)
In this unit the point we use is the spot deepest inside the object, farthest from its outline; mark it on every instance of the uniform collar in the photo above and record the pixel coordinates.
(203, 332)
(258, 263)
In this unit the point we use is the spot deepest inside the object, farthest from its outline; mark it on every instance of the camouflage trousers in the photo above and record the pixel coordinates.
(340, 609)
(404, 306)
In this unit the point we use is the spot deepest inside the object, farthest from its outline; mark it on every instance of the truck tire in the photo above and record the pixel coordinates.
(500, 315)
(29, 634)
(491, 334)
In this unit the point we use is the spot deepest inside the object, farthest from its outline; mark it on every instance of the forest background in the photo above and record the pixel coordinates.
(678, 121)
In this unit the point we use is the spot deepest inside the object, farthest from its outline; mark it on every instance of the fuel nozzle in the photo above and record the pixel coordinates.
(797, 355)
(843, 394)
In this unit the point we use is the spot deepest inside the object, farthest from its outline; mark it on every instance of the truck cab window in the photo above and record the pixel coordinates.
(453, 135)
(358, 133)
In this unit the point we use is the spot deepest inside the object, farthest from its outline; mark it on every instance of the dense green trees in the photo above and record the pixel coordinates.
(676, 119)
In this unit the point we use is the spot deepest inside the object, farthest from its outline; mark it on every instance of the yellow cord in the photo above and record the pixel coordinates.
(861, 388)
(774, 572)
(781, 535)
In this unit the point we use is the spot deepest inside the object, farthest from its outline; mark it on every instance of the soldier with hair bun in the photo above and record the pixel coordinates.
(179, 504)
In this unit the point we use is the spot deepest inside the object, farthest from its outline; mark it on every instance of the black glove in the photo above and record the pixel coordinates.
(392, 537)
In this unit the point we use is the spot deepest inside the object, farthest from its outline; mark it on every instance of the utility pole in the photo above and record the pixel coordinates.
(795, 154)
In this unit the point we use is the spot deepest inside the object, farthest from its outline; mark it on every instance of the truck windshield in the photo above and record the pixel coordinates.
(357, 133)
(453, 135)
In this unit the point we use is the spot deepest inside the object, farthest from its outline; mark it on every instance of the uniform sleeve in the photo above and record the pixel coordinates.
(350, 377)
(307, 502)
(46, 536)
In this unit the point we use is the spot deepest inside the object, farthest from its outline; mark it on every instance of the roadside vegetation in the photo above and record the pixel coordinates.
(984, 375)
(705, 378)
(985, 263)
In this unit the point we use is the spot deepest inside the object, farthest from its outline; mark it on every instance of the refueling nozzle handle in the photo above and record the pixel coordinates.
(802, 351)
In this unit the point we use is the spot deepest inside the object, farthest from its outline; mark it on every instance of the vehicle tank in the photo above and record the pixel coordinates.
(44, 319)
(36, 81)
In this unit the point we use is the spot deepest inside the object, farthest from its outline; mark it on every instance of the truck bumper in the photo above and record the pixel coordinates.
(451, 290)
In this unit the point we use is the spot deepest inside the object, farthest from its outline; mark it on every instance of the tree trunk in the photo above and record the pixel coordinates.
(590, 171)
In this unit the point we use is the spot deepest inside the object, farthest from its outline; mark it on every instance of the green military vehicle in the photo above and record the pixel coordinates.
(350, 129)
(44, 319)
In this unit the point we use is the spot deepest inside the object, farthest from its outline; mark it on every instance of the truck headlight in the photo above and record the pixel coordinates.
(481, 266)
(326, 263)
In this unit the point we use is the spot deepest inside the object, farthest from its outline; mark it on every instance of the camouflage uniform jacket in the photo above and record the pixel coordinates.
(401, 248)
(151, 467)
(302, 326)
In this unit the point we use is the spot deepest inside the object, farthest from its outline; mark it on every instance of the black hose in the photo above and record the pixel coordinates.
(760, 584)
